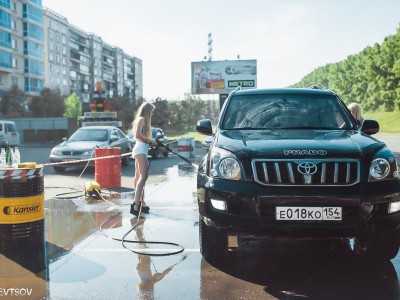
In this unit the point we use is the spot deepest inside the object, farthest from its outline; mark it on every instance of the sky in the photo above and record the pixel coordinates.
(288, 38)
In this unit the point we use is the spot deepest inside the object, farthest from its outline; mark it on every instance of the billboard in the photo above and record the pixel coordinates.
(221, 77)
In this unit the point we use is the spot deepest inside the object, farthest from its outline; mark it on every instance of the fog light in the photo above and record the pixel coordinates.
(219, 204)
(394, 207)
(368, 208)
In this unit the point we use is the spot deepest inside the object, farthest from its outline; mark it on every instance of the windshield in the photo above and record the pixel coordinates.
(100, 135)
(285, 112)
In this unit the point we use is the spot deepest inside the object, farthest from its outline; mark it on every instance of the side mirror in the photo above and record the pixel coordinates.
(204, 127)
(113, 139)
(370, 127)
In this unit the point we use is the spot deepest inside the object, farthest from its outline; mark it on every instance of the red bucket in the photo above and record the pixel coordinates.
(108, 170)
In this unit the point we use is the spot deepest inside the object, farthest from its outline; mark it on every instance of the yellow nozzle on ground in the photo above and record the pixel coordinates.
(92, 188)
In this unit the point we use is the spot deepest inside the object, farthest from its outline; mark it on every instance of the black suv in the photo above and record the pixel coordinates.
(294, 163)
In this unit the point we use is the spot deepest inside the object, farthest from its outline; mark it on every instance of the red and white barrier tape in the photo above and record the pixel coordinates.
(85, 160)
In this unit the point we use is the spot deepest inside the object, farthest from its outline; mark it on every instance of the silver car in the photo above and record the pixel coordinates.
(81, 144)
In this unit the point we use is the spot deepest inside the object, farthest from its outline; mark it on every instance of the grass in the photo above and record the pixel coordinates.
(177, 135)
(389, 122)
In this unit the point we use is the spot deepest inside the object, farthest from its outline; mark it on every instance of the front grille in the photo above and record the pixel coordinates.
(72, 153)
(310, 172)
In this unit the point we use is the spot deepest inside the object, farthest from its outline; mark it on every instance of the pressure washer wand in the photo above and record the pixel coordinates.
(160, 144)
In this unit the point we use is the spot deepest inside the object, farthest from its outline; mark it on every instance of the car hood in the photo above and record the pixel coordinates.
(81, 145)
(298, 143)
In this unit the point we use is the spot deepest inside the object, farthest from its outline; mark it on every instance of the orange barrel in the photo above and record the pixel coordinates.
(22, 224)
(108, 170)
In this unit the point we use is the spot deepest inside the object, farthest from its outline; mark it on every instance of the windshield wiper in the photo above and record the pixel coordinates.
(245, 128)
(311, 127)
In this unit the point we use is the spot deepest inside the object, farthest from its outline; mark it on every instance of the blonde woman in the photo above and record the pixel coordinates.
(141, 129)
(355, 110)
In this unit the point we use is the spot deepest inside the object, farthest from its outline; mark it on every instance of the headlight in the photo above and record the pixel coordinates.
(380, 168)
(384, 166)
(225, 165)
(88, 153)
(56, 152)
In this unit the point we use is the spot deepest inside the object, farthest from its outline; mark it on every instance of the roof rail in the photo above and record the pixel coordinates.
(315, 87)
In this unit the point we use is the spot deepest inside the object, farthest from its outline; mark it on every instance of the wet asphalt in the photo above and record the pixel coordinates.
(95, 249)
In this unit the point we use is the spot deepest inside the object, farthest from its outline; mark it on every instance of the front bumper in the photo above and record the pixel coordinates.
(251, 208)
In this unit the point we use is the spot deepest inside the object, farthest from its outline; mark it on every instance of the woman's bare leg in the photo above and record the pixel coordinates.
(142, 164)
(137, 174)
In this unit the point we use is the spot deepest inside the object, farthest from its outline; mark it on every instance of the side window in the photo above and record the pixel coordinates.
(114, 134)
(120, 134)
(11, 128)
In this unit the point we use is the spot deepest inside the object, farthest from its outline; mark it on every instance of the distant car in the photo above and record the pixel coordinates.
(9, 133)
(156, 133)
(207, 142)
(82, 143)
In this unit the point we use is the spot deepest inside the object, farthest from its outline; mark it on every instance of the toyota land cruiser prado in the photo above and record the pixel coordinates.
(295, 164)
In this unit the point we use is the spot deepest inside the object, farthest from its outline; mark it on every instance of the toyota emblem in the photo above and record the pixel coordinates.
(307, 168)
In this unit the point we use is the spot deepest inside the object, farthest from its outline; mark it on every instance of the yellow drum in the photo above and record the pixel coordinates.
(22, 224)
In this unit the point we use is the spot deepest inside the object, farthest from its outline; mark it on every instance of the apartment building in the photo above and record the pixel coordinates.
(40, 48)
(21, 46)
(76, 60)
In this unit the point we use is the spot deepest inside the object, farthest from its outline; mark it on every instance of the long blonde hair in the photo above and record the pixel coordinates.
(145, 110)
(355, 110)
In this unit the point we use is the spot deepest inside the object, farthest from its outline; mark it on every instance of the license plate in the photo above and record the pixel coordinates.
(309, 213)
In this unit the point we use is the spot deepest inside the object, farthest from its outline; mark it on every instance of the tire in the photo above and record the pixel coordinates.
(213, 242)
(165, 153)
(59, 169)
(154, 154)
(377, 248)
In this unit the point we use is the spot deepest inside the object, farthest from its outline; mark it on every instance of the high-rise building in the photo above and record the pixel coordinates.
(57, 53)
(77, 60)
(21, 46)
(40, 48)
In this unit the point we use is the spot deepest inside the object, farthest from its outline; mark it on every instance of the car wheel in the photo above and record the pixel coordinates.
(213, 242)
(59, 169)
(377, 248)
(154, 154)
(165, 153)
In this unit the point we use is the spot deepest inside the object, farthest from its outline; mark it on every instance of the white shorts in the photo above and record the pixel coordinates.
(140, 148)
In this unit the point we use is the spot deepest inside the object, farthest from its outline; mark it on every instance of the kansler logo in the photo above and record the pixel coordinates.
(21, 209)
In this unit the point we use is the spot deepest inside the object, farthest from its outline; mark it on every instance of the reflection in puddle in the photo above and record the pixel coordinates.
(296, 270)
(78, 257)
(69, 221)
(145, 268)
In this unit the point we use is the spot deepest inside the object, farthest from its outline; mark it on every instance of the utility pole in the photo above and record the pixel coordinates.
(209, 47)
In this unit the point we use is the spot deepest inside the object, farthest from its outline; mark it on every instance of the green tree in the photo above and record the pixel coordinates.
(370, 77)
(161, 116)
(13, 103)
(48, 104)
(124, 109)
(73, 106)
